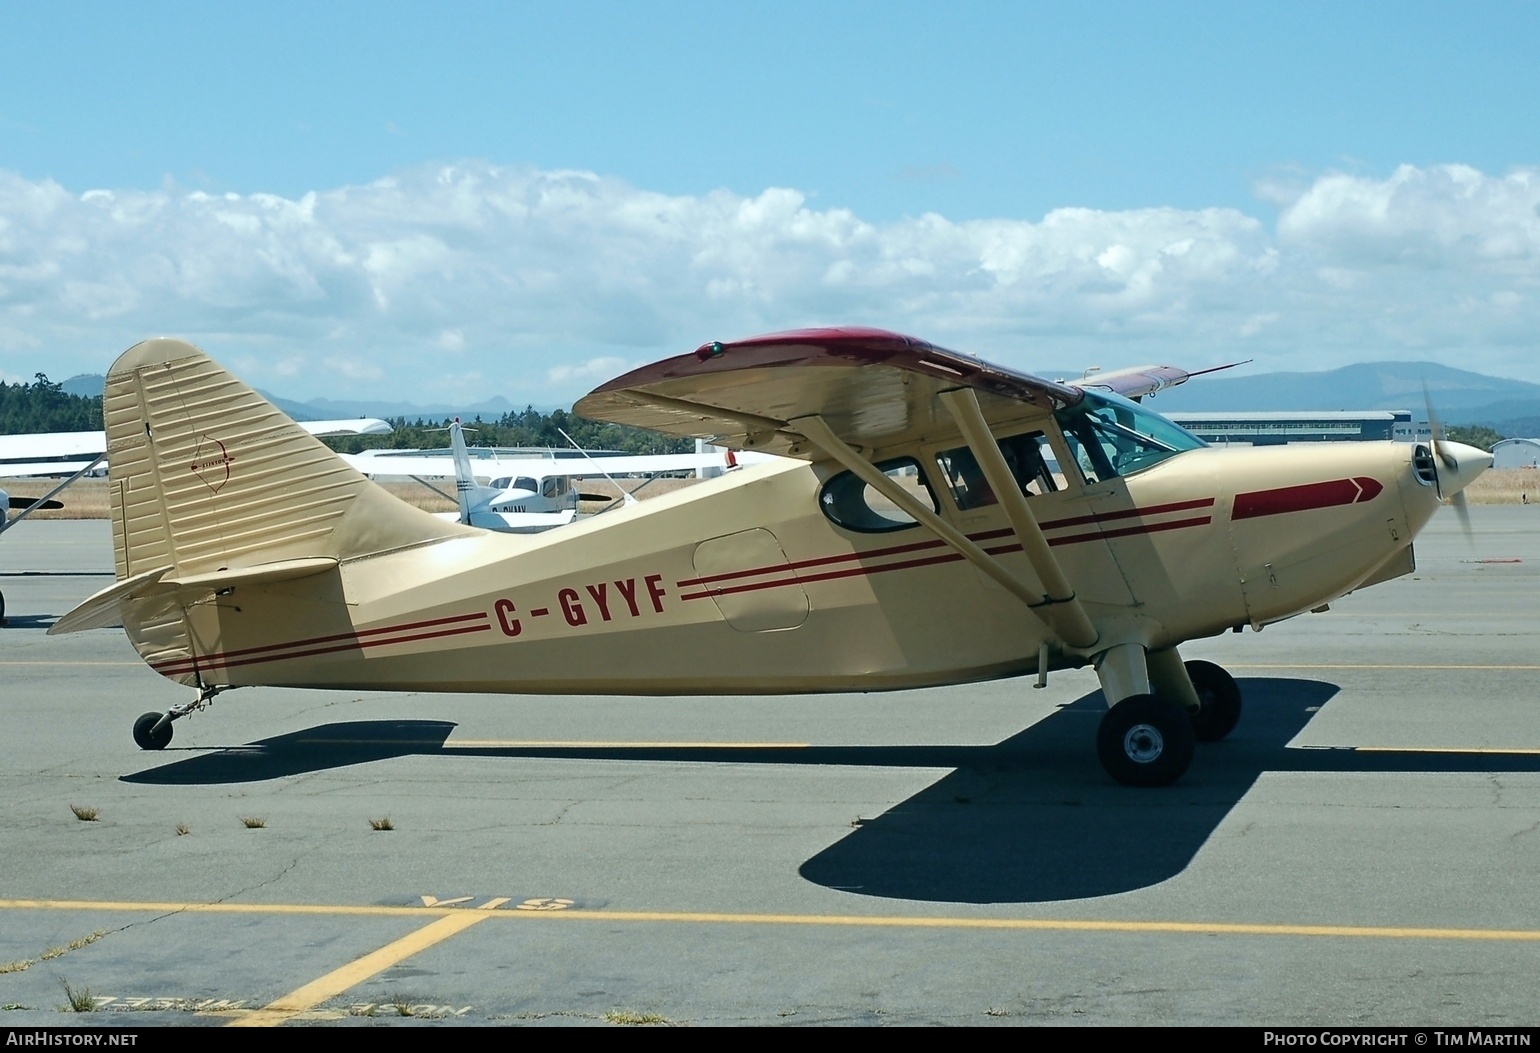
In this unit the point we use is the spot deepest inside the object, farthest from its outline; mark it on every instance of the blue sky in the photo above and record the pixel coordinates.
(412, 200)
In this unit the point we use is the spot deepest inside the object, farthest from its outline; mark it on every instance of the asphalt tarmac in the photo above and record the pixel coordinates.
(1361, 851)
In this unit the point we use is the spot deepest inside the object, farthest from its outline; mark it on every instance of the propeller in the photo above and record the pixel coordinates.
(1443, 456)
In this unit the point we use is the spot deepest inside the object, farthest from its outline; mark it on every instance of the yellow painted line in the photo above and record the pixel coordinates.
(1202, 928)
(1368, 665)
(564, 744)
(356, 972)
(598, 744)
(1493, 750)
(17, 662)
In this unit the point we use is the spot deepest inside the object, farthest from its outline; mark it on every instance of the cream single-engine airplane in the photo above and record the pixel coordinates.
(920, 537)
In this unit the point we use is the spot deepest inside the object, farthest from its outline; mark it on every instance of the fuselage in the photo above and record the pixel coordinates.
(744, 585)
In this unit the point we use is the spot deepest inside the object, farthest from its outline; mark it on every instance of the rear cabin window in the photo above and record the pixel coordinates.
(849, 502)
(1023, 456)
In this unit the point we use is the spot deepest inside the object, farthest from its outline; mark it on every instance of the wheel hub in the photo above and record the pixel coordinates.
(1143, 743)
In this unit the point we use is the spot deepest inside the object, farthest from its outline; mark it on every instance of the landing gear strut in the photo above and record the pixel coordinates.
(152, 731)
(1160, 707)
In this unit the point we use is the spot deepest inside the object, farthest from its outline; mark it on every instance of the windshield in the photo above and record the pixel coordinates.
(1112, 436)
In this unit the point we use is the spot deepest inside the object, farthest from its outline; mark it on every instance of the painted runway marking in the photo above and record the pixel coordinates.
(356, 972)
(1376, 665)
(592, 744)
(57, 664)
(1492, 750)
(471, 916)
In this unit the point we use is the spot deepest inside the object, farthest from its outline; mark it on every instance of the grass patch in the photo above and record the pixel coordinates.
(73, 945)
(84, 814)
(80, 1000)
(253, 822)
(404, 1008)
(381, 824)
(181, 829)
(16, 967)
(631, 1018)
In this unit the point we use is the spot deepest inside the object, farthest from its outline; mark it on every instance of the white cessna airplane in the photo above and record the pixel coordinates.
(524, 495)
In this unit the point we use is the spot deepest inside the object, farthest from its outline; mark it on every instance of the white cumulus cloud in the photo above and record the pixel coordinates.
(546, 282)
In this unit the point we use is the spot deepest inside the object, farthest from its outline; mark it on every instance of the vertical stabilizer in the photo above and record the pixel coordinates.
(205, 475)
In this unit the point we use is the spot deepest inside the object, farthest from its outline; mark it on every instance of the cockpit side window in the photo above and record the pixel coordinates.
(1023, 455)
(848, 501)
(1111, 436)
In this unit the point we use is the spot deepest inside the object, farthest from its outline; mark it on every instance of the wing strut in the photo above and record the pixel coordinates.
(1068, 617)
(6, 524)
(816, 431)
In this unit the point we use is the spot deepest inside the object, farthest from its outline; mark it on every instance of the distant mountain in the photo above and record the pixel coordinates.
(1459, 396)
(88, 385)
(328, 409)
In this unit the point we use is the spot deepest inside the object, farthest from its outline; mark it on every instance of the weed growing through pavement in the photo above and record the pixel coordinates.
(81, 1001)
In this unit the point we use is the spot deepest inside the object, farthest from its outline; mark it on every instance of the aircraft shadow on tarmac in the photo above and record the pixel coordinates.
(1033, 818)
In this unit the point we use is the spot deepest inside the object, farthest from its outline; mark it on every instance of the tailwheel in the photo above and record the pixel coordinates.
(150, 733)
(1221, 699)
(1145, 740)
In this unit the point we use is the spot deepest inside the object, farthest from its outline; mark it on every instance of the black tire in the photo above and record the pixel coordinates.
(147, 737)
(2, 610)
(1221, 698)
(1145, 740)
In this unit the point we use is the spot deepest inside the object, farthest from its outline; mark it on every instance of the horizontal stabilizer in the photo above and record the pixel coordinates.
(102, 609)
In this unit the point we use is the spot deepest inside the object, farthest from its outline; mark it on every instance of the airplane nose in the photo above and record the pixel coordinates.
(1459, 465)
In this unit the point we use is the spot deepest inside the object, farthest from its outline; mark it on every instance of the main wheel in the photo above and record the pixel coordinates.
(1145, 740)
(1221, 698)
(147, 737)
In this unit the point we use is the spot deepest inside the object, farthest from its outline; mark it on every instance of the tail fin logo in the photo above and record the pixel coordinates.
(211, 463)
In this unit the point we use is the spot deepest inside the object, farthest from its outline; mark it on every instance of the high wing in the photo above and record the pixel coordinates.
(56, 453)
(1138, 381)
(871, 387)
(67, 452)
(353, 426)
(424, 465)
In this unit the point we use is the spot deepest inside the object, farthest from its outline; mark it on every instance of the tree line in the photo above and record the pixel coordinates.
(43, 406)
(528, 427)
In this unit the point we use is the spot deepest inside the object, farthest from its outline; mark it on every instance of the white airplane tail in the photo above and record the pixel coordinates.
(475, 499)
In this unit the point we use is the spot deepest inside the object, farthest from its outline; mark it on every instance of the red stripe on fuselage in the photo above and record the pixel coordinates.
(985, 535)
(1329, 494)
(948, 557)
(344, 641)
